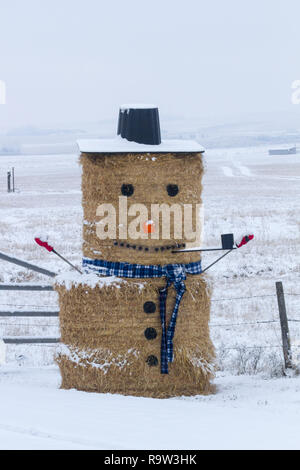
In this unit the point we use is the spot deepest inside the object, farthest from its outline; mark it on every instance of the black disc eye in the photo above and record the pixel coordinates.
(127, 190)
(172, 190)
(152, 361)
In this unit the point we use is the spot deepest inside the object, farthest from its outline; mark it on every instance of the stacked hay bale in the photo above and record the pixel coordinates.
(111, 327)
(148, 175)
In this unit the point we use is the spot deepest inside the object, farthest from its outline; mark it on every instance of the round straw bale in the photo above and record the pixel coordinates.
(112, 338)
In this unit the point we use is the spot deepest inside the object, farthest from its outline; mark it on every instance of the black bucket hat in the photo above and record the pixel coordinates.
(139, 123)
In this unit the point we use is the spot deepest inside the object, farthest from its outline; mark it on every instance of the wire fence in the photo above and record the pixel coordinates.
(251, 297)
(225, 325)
(29, 305)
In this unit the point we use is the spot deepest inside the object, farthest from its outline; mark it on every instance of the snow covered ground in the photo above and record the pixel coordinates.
(245, 191)
(246, 413)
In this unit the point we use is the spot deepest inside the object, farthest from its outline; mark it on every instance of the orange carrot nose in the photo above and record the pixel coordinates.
(149, 226)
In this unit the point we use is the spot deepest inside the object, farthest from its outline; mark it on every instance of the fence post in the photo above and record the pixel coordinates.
(8, 182)
(285, 334)
(13, 179)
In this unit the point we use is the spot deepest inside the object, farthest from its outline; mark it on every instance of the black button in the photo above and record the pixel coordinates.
(152, 361)
(149, 307)
(150, 333)
(172, 190)
(127, 190)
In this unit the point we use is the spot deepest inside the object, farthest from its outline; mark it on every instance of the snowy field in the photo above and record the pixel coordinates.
(246, 413)
(245, 191)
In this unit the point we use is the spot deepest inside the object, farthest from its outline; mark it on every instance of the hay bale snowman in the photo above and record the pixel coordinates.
(136, 322)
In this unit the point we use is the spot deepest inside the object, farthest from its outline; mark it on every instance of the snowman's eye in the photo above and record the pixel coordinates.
(172, 190)
(127, 190)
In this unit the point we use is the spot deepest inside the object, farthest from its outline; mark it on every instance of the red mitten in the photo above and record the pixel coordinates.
(44, 244)
(245, 240)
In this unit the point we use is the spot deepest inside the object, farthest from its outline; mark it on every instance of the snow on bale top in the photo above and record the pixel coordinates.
(119, 145)
(73, 279)
(127, 107)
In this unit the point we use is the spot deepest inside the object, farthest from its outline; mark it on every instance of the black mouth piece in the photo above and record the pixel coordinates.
(154, 249)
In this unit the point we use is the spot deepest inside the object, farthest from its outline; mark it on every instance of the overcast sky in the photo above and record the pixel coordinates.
(68, 61)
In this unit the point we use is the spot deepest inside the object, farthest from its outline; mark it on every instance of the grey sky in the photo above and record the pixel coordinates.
(67, 61)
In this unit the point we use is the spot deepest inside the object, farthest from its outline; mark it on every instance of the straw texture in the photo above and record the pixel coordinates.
(106, 349)
(102, 178)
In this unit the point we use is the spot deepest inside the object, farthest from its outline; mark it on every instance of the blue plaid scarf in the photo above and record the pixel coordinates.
(174, 273)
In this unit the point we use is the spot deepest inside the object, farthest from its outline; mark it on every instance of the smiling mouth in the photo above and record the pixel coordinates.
(152, 249)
